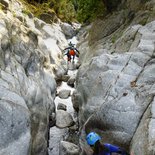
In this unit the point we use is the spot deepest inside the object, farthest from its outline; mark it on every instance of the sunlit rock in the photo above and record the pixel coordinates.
(68, 30)
(67, 148)
(63, 119)
(64, 94)
(115, 85)
(29, 55)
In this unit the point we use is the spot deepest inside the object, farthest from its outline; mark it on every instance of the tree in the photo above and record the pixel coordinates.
(89, 9)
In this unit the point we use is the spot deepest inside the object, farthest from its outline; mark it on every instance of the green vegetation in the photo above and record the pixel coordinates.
(89, 9)
(143, 21)
(63, 8)
(1, 7)
(144, 1)
(111, 5)
(72, 10)
(26, 12)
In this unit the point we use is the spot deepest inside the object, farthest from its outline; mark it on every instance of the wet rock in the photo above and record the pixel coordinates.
(65, 78)
(78, 65)
(61, 106)
(64, 94)
(73, 128)
(76, 100)
(71, 81)
(52, 119)
(67, 148)
(63, 119)
(59, 82)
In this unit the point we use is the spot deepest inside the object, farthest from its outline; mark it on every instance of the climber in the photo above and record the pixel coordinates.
(71, 52)
(93, 139)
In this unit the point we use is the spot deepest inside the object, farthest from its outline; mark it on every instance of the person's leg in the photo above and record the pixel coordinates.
(69, 58)
(73, 57)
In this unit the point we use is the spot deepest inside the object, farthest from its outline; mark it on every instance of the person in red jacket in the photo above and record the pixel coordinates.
(71, 52)
(93, 139)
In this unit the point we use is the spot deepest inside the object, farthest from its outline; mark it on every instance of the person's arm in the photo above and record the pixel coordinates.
(77, 51)
(115, 149)
(66, 48)
(65, 51)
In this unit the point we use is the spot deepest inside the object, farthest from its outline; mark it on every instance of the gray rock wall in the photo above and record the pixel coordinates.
(30, 61)
(115, 87)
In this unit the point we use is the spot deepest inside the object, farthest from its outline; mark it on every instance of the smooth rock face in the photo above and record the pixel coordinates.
(116, 91)
(14, 128)
(68, 30)
(29, 55)
(67, 148)
(75, 100)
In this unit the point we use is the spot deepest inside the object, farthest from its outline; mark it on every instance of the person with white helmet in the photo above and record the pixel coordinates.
(93, 139)
(71, 52)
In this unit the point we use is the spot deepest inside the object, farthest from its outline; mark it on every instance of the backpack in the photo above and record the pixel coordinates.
(72, 52)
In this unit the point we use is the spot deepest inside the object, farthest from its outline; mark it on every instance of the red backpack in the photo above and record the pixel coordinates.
(72, 52)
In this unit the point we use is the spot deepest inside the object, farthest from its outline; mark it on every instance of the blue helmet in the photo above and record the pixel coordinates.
(92, 138)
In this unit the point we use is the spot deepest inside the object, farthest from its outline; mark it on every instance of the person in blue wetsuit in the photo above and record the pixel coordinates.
(93, 139)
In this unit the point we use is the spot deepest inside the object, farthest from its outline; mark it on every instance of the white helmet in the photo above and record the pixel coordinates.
(70, 44)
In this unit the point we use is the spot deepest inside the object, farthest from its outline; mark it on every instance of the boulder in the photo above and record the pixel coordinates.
(71, 81)
(52, 119)
(63, 119)
(64, 94)
(68, 30)
(75, 100)
(67, 148)
(65, 78)
(61, 106)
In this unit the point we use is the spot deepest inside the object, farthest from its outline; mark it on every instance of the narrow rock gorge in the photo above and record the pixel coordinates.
(114, 86)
